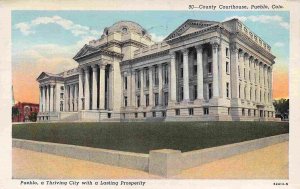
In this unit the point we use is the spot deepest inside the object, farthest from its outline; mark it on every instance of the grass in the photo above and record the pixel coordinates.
(142, 137)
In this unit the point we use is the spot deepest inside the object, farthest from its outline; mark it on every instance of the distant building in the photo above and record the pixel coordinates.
(203, 71)
(24, 111)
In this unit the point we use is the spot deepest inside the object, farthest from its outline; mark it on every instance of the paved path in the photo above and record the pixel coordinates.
(269, 162)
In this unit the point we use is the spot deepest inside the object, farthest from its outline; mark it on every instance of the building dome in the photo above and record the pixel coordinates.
(125, 27)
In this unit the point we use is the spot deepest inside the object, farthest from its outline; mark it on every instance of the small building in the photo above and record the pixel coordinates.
(203, 71)
(24, 112)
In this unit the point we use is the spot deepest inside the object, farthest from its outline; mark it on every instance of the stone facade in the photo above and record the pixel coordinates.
(203, 71)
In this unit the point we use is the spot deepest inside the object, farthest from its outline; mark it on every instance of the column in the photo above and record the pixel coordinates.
(160, 96)
(271, 84)
(172, 78)
(87, 89)
(133, 88)
(46, 98)
(75, 97)
(80, 85)
(102, 87)
(43, 98)
(215, 47)
(72, 104)
(199, 50)
(234, 72)
(94, 88)
(150, 86)
(40, 99)
(186, 94)
(142, 99)
(51, 98)
(127, 74)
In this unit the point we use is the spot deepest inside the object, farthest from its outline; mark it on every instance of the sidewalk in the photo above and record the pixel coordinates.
(266, 163)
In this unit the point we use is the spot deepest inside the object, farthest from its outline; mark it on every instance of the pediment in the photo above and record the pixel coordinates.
(189, 26)
(85, 50)
(45, 76)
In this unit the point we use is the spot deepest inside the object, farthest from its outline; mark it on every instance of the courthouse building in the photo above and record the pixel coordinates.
(202, 71)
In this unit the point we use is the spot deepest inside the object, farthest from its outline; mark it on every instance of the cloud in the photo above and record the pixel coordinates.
(278, 44)
(27, 28)
(263, 19)
(157, 38)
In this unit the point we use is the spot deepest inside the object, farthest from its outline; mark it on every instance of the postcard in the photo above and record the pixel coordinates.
(149, 94)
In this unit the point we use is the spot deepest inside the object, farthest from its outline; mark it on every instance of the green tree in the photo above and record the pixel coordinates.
(15, 112)
(282, 108)
(33, 116)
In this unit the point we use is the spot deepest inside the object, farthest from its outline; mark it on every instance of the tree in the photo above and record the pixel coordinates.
(282, 108)
(15, 112)
(33, 116)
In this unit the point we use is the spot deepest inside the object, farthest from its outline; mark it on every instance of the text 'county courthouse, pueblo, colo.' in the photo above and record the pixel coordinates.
(203, 71)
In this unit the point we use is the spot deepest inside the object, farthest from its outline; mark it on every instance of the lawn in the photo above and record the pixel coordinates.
(141, 137)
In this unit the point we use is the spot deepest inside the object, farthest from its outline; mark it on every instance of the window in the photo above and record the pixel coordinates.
(163, 114)
(155, 75)
(61, 96)
(195, 69)
(195, 92)
(210, 92)
(61, 107)
(153, 114)
(255, 95)
(227, 90)
(239, 90)
(156, 99)
(147, 77)
(62, 88)
(227, 52)
(166, 98)
(245, 92)
(181, 93)
(209, 67)
(227, 67)
(181, 72)
(206, 111)
(138, 101)
(254, 112)
(135, 115)
(239, 71)
(243, 111)
(144, 114)
(177, 112)
(108, 115)
(125, 101)
(191, 111)
(125, 82)
(228, 111)
(249, 112)
(138, 79)
(244, 73)
(250, 93)
(249, 76)
(147, 99)
(166, 74)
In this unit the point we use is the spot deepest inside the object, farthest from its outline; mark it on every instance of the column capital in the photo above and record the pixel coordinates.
(234, 48)
(51, 85)
(185, 51)
(94, 67)
(173, 55)
(199, 48)
(215, 43)
(102, 66)
(86, 69)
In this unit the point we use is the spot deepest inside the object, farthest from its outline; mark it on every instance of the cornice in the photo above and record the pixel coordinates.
(146, 57)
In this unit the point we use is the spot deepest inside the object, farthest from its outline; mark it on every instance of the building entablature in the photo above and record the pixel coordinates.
(88, 51)
(255, 55)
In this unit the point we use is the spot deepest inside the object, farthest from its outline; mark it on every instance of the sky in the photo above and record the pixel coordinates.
(48, 40)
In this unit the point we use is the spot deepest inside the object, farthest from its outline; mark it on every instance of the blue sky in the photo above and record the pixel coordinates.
(46, 39)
